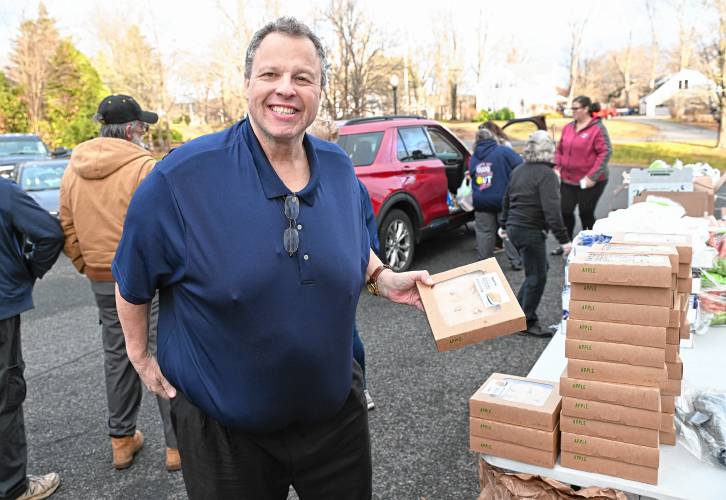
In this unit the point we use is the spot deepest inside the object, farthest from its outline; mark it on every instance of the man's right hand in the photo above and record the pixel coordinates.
(566, 249)
(150, 373)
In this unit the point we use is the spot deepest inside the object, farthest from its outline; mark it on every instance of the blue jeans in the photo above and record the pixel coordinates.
(359, 353)
(532, 248)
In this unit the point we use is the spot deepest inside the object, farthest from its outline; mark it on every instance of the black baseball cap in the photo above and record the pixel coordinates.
(123, 109)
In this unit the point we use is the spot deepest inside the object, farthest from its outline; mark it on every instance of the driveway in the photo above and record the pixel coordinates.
(670, 131)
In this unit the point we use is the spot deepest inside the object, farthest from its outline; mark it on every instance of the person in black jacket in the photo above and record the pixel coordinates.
(490, 168)
(531, 207)
(21, 218)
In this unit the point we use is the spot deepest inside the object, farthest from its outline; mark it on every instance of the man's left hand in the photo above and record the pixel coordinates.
(401, 287)
(589, 183)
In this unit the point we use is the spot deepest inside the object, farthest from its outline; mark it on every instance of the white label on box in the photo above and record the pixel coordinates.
(519, 391)
(490, 290)
(624, 258)
(655, 238)
(637, 248)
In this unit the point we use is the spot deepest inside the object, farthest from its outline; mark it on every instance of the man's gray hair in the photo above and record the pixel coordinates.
(291, 27)
(539, 148)
(115, 130)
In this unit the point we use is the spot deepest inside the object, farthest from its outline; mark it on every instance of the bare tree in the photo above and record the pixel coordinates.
(654, 50)
(30, 63)
(356, 65)
(686, 31)
(577, 30)
(714, 55)
(624, 62)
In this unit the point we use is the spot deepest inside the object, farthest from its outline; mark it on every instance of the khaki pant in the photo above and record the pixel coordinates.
(123, 385)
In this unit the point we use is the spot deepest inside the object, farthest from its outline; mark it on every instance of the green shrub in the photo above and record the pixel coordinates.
(503, 114)
(482, 117)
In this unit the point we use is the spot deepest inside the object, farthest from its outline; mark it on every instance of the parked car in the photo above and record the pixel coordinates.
(410, 166)
(18, 148)
(606, 113)
(42, 180)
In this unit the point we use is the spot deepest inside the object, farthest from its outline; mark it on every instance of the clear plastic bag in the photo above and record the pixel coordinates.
(701, 424)
(465, 196)
(711, 301)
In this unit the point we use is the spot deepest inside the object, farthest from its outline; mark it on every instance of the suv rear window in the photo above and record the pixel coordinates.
(11, 147)
(362, 148)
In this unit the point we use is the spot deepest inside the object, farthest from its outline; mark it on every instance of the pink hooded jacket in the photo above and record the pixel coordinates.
(583, 154)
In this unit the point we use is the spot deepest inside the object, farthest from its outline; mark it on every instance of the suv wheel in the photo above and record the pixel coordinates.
(397, 240)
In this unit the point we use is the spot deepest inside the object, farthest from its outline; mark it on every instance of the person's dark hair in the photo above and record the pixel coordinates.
(495, 129)
(291, 27)
(586, 102)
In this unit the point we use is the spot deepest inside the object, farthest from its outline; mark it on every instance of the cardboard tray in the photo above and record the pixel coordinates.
(609, 467)
(609, 430)
(619, 333)
(612, 450)
(682, 242)
(636, 355)
(648, 296)
(622, 270)
(635, 396)
(524, 436)
(518, 401)
(606, 412)
(513, 451)
(457, 311)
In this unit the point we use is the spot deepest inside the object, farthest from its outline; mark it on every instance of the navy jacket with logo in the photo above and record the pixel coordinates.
(490, 167)
(22, 218)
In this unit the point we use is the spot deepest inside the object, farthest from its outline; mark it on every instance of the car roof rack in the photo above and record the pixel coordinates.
(367, 119)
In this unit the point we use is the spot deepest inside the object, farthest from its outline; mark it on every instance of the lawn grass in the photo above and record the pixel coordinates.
(624, 135)
(619, 130)
(644, 153)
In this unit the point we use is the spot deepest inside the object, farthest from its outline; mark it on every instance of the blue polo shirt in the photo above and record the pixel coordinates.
(255, 338)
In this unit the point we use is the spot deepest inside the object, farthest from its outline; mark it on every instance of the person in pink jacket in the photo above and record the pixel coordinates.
(582, 161)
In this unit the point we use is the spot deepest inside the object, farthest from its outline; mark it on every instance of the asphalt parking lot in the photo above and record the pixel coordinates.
(419, 428)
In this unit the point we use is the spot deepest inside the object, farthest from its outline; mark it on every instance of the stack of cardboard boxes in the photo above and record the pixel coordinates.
(624, 305)
(684, 283)
(516, 418)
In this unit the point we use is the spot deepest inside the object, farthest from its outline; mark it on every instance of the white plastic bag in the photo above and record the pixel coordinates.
(464, 195)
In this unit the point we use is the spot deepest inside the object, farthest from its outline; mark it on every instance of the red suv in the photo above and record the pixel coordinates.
(409, 165)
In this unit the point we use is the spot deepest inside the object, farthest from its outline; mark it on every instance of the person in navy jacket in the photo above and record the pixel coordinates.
(21, 219)
(490, 168)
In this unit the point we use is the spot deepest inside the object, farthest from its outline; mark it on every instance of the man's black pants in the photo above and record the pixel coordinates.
(325, 461)
(13, 448)
(530, 243)
(586, 199)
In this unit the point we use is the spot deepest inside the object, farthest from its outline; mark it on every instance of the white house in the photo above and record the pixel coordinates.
(515, 88)
(684, 80)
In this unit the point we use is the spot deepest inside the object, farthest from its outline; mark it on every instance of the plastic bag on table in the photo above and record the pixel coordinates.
(464, 195)
(497, 484)
(712, 298)
(701, 424)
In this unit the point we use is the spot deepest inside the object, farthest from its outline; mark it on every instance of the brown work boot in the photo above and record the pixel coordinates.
(124, 449)
(41, 486)
(173, 460)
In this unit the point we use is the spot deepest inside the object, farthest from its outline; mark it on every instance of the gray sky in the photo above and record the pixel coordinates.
(539, 29)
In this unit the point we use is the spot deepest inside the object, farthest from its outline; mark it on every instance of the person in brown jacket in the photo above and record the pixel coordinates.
(95, 192)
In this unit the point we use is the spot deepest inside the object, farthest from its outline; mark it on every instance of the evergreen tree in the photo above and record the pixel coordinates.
(13, 113)
(74, 90)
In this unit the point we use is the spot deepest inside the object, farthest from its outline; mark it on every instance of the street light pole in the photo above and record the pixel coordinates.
(394, 84)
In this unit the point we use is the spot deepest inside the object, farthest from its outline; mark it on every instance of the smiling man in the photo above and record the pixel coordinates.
(255, 238)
